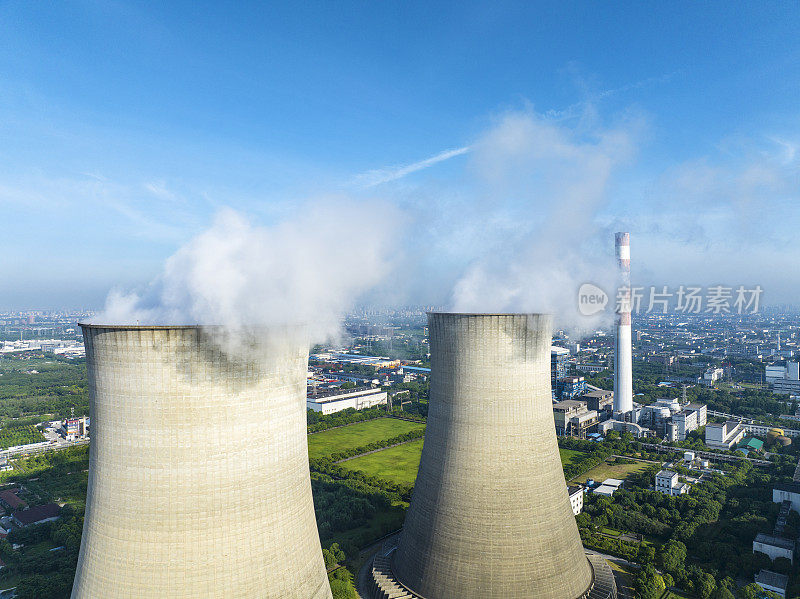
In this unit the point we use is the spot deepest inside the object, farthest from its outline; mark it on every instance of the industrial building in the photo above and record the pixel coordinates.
(336, 400)
(490, 517)
(725, 435)
(198, 468)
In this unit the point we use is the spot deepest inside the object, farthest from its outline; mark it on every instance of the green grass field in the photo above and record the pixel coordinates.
(606, 470)
(397, 464)
(356, 435)
(569, 455)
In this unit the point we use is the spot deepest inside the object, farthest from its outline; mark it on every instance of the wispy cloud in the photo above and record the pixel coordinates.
(385, 175)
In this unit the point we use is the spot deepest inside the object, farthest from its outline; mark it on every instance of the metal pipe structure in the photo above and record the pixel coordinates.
(623, 361)
(490, 517)
(198, 468)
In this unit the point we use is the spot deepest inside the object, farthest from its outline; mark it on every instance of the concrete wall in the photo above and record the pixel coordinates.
(490, 517)
(198, 470)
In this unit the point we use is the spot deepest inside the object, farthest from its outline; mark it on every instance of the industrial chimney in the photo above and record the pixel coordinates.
(623, 364)
(490, 517)
(198, 468)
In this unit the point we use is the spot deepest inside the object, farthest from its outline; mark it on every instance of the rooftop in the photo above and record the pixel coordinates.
(774, 541)
(37, 513)
(773, 579)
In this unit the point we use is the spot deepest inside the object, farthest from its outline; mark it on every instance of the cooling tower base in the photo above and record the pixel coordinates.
(382, 583)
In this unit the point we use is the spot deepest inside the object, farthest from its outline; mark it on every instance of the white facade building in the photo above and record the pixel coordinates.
(576, 498)
(341, 400)
(712, 375)
(668, 484)
(774, 547)
(725, 435)
(784, 379)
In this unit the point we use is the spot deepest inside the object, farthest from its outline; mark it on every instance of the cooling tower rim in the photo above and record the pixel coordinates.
(147, 327)
(444, 313)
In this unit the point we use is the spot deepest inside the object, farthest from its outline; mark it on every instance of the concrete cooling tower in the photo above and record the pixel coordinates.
(198, 469)
(490, 517)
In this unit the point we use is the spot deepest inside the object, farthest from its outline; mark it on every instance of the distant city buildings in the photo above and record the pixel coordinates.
(784, 379)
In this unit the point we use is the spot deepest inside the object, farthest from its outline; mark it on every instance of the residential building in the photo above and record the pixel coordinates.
(712, 375)
(559, 364)
(576, 498)
(667, 482)
(570, 386)
(725, 435)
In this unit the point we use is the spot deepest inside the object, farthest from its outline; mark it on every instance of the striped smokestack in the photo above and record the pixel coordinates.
(623, 367)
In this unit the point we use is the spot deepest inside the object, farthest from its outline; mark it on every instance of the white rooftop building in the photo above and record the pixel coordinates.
(668, 484)
(336, 401)
(725, 435)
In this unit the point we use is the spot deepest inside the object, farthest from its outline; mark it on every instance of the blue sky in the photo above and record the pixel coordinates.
(125, 127)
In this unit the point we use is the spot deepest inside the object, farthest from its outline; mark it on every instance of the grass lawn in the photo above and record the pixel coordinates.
(356, 435)
(397, 464)
(607, 470)
(569, 455)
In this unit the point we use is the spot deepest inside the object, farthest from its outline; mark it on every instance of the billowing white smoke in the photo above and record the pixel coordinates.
(307, 270)
(551, 182)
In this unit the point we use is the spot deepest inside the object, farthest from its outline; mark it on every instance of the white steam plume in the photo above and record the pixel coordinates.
(551, 181)
(304, 271)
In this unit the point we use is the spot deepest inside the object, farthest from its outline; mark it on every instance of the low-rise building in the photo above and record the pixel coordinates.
(787, 492)
(10, 500)
(774, 546)
(605, 490)
(725, 435)
(576, 498)
(667, 482)
(772, 581)
(712, 375)
(332, 401)
(37, 515)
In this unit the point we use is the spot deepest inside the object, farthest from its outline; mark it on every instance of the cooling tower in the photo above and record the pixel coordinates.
(623, 363)
(490, 517)
(198, 469)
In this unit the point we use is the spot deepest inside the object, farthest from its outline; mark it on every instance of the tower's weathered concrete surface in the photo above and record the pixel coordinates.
(490, 517)
(198, 472)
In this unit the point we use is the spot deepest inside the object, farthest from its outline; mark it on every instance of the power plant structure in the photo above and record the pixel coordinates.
(490, 516)
(198, 469)
(623, 362)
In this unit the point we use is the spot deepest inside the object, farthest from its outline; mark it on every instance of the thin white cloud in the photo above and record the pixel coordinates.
(385, 175)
